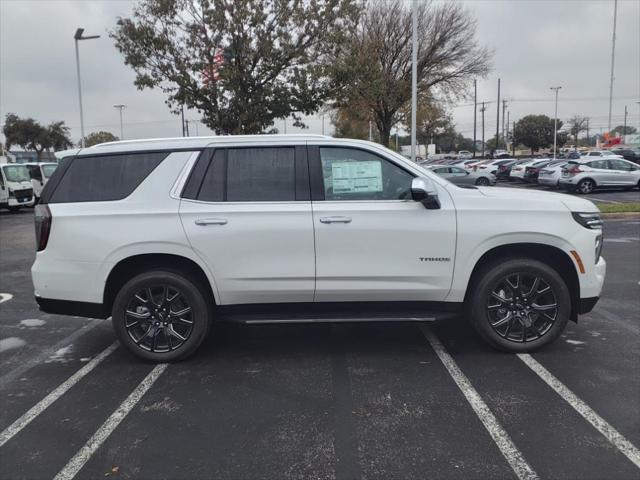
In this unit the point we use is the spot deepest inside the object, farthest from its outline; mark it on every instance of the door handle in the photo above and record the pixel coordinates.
(211, 221)
(335, 219)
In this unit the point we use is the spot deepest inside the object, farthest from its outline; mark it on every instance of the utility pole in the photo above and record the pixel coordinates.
(513, 143)
(323, 124)
(120, 107)
(624, 131)
(285, 125)
(555, 122)
(498, 116)
(506, 135)
(588, 139)
(504, 108)
(397, 149)
(613, 54)
(182, 115)
(482, 111)
(77, 37)
(414, 76)
(475, 109)
(370, 131)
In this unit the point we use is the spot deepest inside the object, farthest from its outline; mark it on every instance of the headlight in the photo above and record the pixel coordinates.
(591, 221)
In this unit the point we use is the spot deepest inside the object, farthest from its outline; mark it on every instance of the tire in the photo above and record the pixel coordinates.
(152, 333)
(529, 328)
(586, 186)
(483, 182)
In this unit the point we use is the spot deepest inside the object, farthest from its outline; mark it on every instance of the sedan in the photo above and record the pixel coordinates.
(586, 176)
(549, 176)
(460, 176)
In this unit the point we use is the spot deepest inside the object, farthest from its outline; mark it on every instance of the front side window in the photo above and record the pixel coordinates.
(264, 174)
(352, 174)
(48, 170)
(620, 165)
(34, 172)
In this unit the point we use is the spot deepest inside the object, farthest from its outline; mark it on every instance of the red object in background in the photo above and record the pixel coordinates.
(212, 73)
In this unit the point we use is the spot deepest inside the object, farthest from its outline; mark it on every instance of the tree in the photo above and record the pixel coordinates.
(536, 131)
(94, 138)
(242, 64)
(373, 69)
(350, 123)
(31, 135)
(577, 124)
(621, 130)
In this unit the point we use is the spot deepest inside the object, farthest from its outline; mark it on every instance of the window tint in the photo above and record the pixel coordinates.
(458, 170)
(250, 175)
(104, 178)
(442, 170)
(602, 164)
(351, 174)
(34, 172)
(620, 165)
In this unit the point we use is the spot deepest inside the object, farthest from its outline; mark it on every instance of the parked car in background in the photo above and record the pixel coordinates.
(586, 175)
(15, 187)
(504, 170)
(531, 171)
(160, 235)
(464, 154)
(550, 175)
(39, 174)
(600, 154)
(628, 154)
(461, 176)
(573, 155)
(518, 170)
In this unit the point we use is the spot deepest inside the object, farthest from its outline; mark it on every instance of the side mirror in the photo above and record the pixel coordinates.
(423, 191)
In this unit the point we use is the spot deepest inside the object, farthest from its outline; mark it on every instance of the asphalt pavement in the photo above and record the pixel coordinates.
(344, 401)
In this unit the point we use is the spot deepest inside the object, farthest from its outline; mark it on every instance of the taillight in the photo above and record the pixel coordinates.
(574, 170)
(43, 219)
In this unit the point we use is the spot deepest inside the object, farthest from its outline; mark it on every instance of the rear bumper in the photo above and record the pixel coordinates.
(548, 181)
(69, 307)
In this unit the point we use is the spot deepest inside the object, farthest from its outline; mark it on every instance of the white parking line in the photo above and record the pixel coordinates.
(44, 354)
(4, 297)
(610, 433)
(84, 454)
(508, 449)
(43, 404)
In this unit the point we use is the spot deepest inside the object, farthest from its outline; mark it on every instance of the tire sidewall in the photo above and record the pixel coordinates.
(193, 295)
(487, 281)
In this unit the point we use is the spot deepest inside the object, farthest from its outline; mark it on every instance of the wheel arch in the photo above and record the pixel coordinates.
(128, 267)
(548, 254)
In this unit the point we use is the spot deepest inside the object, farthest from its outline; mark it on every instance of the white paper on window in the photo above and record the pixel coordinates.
(356, 177)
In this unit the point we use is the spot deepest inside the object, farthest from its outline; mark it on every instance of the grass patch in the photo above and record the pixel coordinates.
(619, 207)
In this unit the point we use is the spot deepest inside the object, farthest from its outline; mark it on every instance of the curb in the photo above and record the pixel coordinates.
(626, 215)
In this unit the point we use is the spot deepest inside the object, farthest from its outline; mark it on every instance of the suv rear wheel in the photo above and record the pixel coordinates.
(586, 186)
(161, 316)
(519, 305)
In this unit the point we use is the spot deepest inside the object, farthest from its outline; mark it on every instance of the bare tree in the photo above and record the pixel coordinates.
(374, 68)
(577, 124)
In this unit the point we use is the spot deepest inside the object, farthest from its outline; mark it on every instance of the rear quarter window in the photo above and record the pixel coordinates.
(104, 178)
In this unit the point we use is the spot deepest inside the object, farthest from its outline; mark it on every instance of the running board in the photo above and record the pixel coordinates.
(337, 312)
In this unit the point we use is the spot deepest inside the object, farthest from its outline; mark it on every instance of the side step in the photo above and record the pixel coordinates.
(338, 312)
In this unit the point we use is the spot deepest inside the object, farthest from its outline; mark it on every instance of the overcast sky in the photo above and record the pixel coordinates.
(537, 44)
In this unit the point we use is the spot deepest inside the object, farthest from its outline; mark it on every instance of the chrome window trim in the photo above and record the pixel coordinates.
(178, 185)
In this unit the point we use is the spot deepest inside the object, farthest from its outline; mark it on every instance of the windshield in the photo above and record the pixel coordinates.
(16, 173)
(47, 170)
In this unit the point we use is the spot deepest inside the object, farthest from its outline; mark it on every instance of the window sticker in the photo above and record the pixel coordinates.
(356, 177)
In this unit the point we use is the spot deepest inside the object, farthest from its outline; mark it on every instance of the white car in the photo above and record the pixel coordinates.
(550, 175)
(39, 174)
(599, 154)
(464, 155)
(167, 236)
(518, 170)
(15, 187)
(587, 175)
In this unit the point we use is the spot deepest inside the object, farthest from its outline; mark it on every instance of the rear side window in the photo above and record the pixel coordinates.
(601, 164)
(105, 178)
(265, 174)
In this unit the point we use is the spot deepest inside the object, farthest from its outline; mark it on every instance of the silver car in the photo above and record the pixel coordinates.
(584, 176)
(461, 176)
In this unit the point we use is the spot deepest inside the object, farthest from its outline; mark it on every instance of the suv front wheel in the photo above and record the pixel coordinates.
(519, 305)
(161, 316)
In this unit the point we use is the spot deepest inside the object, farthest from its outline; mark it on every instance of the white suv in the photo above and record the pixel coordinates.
(166, 236)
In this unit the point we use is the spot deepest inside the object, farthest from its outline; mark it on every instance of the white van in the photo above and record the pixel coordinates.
(15, 187)
(40, 173)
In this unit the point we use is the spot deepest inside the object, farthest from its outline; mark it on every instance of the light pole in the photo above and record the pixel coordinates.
(414, 76)
(78, 36)
(555, 122)
(120, 106)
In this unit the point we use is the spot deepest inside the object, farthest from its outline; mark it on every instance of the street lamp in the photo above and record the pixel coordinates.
(120, 106)
(78, 36)
(555, 122)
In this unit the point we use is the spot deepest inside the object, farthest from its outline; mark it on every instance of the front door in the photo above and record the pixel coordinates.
(373, 242)
(249, 219)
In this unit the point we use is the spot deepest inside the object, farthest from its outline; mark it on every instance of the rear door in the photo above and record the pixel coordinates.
(373, 242)
(247, 213)
(601, 173)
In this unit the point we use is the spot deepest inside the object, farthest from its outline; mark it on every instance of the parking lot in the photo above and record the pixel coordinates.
(374, 401)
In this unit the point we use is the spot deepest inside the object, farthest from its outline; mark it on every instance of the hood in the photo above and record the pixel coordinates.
(19, 185)
(571, 202)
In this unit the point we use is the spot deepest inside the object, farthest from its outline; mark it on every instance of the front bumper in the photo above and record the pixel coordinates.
(13, 202)
(587, 304)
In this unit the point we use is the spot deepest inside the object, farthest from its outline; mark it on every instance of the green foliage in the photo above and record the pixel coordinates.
(621, 130)
(94, 138)
(242, 64)
(31, 135)
(350, 123)
(536, 132)
(373, 69)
